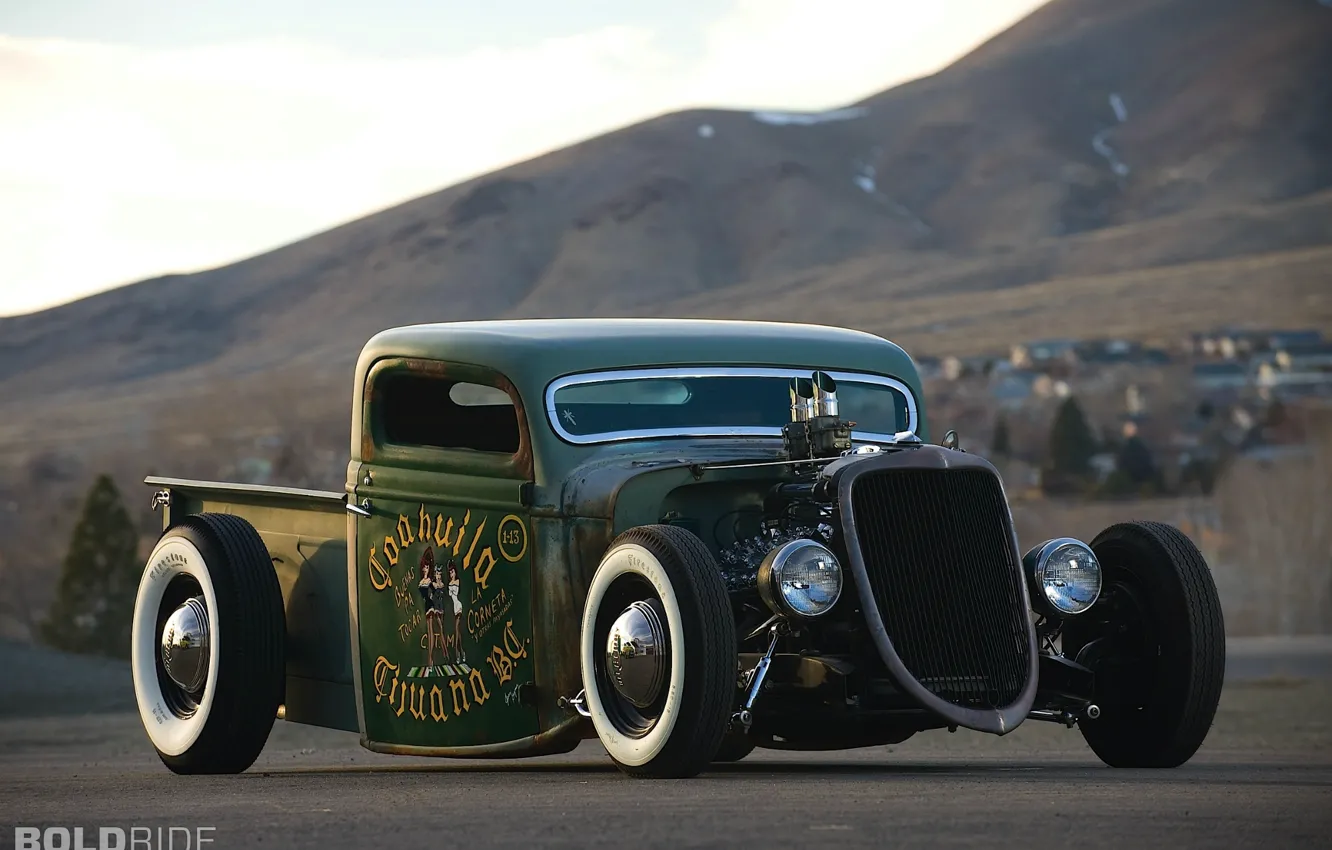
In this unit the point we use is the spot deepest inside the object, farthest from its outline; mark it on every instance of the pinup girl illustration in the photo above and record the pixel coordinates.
(429, 587)
(454, 586)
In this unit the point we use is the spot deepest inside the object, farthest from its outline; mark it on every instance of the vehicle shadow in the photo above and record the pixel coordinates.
(754, 768)
(1208, 773)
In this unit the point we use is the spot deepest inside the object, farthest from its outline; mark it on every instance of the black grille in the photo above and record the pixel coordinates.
(939, 554)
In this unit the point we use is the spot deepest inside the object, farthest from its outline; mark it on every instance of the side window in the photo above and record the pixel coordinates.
(442, 412)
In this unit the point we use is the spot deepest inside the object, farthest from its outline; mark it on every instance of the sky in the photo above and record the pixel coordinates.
(141, 137)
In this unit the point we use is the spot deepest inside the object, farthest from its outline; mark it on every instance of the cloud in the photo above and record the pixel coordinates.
(118, 163)
(239, 122)
(799, 54)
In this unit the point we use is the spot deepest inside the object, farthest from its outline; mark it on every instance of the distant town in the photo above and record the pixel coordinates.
(1162, 420)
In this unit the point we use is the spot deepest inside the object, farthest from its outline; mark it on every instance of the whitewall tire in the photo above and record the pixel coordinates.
(208, 645)
(666, 716)
(172, 729)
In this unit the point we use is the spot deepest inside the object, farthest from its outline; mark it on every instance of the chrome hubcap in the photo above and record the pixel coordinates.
(638, 653)
(185, 645)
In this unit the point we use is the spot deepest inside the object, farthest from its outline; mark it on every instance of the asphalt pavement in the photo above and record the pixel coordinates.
(1263, 778)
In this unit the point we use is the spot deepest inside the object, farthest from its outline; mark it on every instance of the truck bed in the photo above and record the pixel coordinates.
(306, 533)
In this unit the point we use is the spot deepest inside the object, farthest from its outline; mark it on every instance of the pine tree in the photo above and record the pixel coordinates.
(99, 579)
(1072, 445)
(1136, 460)
(1001, 445)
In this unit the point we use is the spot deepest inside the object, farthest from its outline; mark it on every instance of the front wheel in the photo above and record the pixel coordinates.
(658, 653)
(1156, 642)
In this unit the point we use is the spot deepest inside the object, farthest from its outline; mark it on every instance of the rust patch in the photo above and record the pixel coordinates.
(522, 459)
(567, 551)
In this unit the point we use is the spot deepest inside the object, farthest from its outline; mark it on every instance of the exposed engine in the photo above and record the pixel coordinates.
(816, 432)
(740, 561)
(844, 576)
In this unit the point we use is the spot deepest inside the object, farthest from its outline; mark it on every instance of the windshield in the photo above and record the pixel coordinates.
(714, 402)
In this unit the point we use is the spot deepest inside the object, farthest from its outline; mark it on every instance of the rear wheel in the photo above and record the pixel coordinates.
(208, 647)
(659, 653)
(1156, 641)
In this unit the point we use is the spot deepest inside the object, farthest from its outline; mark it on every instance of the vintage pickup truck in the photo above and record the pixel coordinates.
(684, 538)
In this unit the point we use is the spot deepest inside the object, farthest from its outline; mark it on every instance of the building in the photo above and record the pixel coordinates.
(1101, 351)
(1275, 383)
(1155, 357)
(1233, 342)
(1014, 389)
(1311, 357)
(1103, 465)
(1226, 375)
(1043, 352)
(1278, 340)
(955, 368)
(928, 367)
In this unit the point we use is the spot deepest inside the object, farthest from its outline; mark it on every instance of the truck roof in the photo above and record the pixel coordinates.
(533, 352)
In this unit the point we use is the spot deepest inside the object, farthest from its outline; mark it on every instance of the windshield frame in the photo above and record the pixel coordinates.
(913, 422)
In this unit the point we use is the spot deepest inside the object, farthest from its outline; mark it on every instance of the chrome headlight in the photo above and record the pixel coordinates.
(1063, 575)
(800, 578)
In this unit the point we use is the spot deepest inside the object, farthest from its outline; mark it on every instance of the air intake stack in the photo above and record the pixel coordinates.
(803, 407)
(825, 395)
(816, 429)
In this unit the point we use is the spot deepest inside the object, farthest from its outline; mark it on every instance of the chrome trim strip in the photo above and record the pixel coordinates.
(190, 485)
(716, 372)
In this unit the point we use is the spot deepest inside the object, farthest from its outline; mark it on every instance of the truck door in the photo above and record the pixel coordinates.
(443, 571)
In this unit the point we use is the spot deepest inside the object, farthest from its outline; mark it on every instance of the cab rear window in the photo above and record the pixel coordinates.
(443, 413)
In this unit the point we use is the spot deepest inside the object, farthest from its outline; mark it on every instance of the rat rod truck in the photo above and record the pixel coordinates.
(684, 538)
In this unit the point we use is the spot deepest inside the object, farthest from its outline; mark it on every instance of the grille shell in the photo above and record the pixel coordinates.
(930, 542)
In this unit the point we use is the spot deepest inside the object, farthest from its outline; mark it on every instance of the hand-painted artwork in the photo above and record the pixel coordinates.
(443, 608)
(444, 624)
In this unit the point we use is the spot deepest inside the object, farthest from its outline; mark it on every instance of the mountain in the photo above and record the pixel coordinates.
(1142, 168)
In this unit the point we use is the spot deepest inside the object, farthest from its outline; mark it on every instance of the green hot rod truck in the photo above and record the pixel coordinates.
(684, 538)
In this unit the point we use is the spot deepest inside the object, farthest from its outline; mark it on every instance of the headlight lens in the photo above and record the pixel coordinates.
(1066, 574)
(801, 578)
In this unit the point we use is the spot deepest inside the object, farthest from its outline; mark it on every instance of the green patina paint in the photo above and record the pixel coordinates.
(533, 352)
(408, 701)
(467, 690)
(445, 624)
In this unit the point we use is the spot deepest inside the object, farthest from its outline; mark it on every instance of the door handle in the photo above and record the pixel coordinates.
(362, 510)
